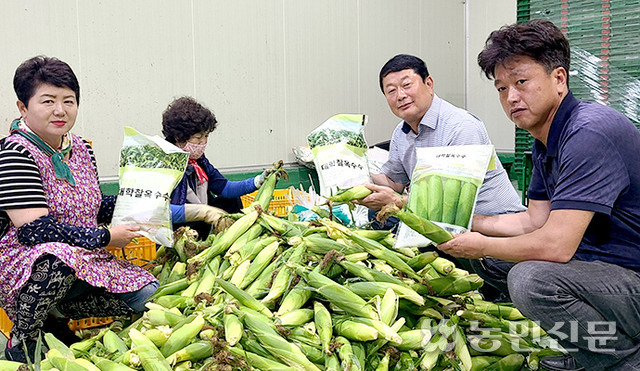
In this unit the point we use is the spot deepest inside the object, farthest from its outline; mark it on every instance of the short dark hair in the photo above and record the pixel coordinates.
(538, 39)
(43, 70)
(185, 117)
(403, 62)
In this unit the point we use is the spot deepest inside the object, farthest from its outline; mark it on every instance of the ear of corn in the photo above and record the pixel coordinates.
(465, 204)
(324, 325)
(420, 261)
(379, 251)
(182, 336)
(450, 199)
(353, 330)
(421, 225)
(351, 194)
(371, 289)
(295, 317)
(243, 297)
(435, 191)
(339, 295)
(388, 307)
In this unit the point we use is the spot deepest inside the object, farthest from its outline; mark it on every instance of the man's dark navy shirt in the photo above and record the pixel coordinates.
(591, 162)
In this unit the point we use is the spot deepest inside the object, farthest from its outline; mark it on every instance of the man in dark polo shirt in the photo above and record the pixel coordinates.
(577, 247)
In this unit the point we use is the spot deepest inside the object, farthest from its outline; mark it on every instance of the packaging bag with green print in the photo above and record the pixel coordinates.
(339, 153)
(150, 168)
(444, 188)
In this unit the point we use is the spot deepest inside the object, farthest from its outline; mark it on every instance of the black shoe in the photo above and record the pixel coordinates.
(59, 327)
(560, 363)
(16, 353)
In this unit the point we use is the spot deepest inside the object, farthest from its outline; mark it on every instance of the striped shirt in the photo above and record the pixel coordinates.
(447, 125)
(20, 181)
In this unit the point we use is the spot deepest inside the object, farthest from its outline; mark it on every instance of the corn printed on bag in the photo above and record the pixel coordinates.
(150, 168)
(339, 153)
(444, 188)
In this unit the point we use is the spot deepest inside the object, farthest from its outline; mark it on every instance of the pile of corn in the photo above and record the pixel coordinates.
(274, 294)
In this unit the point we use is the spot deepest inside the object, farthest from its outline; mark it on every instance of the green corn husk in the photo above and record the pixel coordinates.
(383, 365)
(295, 317)
(331, 362)
(158, 335)
(374, 234)
(170, 288)
(442, 265)
(54, 343)
(244, 298)
(178, 271)
(421, 225)
(247, 238)
(259, 287)
(369, 274)
(105, 364)
(420, 261)
(447, 285)
(479, 363)
(232, 328)
(314, 354)
(151, 359)
(413, 339)
(192, 352)
(353, 330)
(322, 245)
(174, 301)
(371, 289)
(226, 239)
(113, 343)
(357, 257)
(339, 295)
(348, 360)
(261, 261)
(182, 336)
(381, 252)
(461, 350)
(502, 311)
(350, 194)
(276, 344)
(512, 362)
(259, 362)
(157, 317)
(324, 325)
(240, 273)
(283, 279)
(388, 306)
(295, 299)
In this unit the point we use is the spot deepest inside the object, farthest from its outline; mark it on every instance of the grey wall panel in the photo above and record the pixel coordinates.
(271, 70)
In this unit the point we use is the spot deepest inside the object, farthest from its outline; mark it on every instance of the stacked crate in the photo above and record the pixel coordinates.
(605, 57)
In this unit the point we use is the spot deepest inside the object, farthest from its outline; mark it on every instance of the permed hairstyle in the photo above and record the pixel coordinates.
(185, 117)
(538, 39)
(403, 62)
(43, 70)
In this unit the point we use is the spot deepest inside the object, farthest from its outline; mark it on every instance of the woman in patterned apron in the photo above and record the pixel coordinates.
(51, 246)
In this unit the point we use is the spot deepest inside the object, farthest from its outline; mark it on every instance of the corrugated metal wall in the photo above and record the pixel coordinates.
(271, 70)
